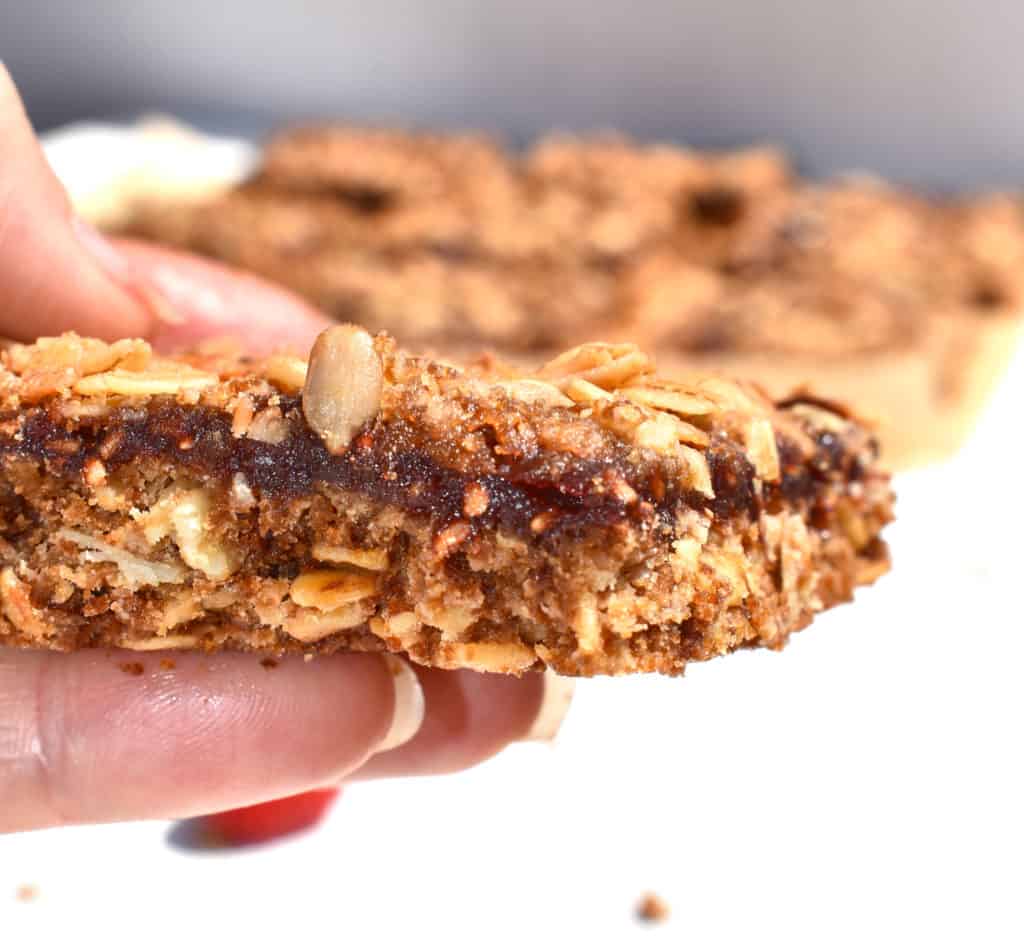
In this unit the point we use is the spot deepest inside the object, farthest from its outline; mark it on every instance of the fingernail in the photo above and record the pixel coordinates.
(409, 705)
(160, 293)
(554, 705)
(182, 293)
(103, 253)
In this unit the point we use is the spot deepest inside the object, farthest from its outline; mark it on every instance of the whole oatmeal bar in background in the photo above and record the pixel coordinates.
(906, 305)
(588, 516)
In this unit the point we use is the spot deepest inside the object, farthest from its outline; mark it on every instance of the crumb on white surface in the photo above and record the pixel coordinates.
(652, 909)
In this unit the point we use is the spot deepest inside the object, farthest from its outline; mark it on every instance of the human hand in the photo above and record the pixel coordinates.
(83, 739)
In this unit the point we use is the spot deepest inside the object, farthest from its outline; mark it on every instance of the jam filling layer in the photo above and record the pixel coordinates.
(385, 464)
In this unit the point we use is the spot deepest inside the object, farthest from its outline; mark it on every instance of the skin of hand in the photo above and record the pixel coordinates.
(98, 736)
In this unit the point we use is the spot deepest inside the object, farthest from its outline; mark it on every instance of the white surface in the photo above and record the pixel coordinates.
(865, 783)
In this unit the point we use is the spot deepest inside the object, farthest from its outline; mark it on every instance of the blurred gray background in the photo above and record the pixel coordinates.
(920, 90)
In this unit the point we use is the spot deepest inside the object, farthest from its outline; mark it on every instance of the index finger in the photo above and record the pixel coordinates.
(196, 300)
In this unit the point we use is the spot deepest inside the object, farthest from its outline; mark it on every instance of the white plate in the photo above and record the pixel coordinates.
(865, 783)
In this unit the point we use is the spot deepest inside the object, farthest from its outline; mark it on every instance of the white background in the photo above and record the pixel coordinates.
(866, 782)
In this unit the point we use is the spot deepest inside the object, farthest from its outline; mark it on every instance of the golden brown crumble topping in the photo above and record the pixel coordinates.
(589, 516)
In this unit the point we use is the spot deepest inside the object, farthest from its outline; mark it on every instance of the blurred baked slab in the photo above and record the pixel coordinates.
(589, 517)
(907, 306)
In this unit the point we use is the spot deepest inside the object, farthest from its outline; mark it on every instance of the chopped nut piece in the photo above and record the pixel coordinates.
(451, 617)
(183, 514)
(135, 570)
(181, 641)
(700, 472)
(191, 530)
(660, 433)
(533, 390)
(268, 426)
(328, 589)
(17, 606)
(47, 383)
(475, 500)
(401, 626)
(623, 491)
(242, 416)
(853, 525)
(451, 537)
(372, 559)
(288, 373)
(343, 385)
(242, 495)
(95, 473)
(81, 355)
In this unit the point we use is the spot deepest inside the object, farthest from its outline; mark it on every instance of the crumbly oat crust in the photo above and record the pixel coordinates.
(590, 516)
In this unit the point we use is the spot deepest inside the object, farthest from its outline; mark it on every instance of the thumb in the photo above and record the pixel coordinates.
(105, 736)
(49, 279)
(58, 274)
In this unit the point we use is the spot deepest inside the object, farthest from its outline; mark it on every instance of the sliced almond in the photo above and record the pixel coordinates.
(308, 626)
(170, 381)
(372, 559)
(343, 385)
(328, 589)
(726, 395)
(699, 473)
(403, 626)
(670, 399)
(512, 658)
(533, 391)
(764, 455)
(607, 365)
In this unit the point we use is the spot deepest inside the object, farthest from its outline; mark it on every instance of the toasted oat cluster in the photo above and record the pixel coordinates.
(588, 516)
(451, 243)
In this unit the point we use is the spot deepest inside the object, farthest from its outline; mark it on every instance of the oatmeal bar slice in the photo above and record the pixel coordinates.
(588, 517)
